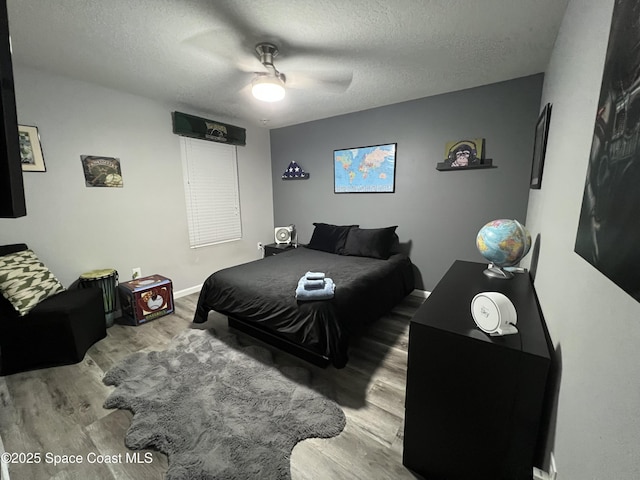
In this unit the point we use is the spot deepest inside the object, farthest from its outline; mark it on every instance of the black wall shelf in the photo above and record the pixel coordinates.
(486, 163)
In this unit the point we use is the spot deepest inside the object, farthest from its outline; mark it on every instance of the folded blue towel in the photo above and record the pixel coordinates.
(312, 284)
(325, 293)
(314, 276)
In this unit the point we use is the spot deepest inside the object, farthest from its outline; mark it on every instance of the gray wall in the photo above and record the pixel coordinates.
(594, 325)
(439, 213)
(74, 229)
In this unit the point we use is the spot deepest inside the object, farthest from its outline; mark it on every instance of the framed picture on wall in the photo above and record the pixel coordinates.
(608, 231)
(540, 147)
(101, 171)
(365, 169)
(464, 154)
(30, 149)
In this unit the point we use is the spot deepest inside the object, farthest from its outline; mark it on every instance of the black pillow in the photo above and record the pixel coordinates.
(395, 245)
(370, 242)
(329, 238)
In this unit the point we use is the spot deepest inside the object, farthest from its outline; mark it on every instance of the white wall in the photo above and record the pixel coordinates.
(74, 228)
(594, 325)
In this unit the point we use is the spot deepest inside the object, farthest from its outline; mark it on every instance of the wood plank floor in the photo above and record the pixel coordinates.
(58, 411)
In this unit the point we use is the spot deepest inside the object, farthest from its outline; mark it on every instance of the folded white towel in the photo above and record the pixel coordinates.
(313, 284)
(314, 276)
(326, 293)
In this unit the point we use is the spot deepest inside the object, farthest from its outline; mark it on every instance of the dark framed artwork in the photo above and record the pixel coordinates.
(540, 147)
(101, 171)
(464, 154)
(608, 235)
(365, 169)
(31, 154)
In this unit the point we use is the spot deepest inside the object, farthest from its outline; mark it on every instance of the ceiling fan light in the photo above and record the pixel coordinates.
(268, 89)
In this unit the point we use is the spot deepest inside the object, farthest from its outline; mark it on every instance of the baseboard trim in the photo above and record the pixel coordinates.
(420, 293)
(187, 291)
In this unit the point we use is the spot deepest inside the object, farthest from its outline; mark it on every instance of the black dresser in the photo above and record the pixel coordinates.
(474, 402)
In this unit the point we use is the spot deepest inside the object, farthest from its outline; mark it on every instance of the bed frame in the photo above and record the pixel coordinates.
(255, 330)
(258, 299)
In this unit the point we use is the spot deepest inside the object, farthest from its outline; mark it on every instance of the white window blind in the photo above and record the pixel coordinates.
(211, 189)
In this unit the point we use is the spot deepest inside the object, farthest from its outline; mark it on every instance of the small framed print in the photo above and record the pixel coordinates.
(540, 147)
(101, 171)
(30, 149)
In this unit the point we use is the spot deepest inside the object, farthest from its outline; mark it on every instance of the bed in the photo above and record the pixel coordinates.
(259, 297)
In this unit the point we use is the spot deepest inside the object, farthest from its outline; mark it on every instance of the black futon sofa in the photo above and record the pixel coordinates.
(57, 331)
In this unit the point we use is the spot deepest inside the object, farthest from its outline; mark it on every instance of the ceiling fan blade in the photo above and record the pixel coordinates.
(334, 82)
(226, 46)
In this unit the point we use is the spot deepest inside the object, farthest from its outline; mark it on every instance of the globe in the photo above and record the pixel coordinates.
(503, 243)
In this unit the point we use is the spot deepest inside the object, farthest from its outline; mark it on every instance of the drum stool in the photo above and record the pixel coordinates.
(107, 280)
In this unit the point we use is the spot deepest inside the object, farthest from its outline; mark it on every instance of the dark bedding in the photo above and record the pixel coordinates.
(262, 292)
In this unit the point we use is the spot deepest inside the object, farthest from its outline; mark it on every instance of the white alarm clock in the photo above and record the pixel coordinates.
(494, 313)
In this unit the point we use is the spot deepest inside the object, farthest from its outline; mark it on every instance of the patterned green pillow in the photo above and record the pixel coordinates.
(25, 281)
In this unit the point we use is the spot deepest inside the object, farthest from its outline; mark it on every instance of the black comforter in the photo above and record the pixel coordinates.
(262, 292)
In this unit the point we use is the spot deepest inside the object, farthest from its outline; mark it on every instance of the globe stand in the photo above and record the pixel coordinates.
(497, 272)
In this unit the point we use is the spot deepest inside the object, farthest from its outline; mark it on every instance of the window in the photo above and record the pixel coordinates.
(211, 189)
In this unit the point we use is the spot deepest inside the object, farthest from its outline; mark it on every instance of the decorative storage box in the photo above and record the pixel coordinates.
(145, 299)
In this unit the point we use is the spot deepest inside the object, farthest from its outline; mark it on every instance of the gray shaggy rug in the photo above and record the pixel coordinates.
(220, 410)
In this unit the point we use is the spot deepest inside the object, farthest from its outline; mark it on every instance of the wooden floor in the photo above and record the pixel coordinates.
(58, 413)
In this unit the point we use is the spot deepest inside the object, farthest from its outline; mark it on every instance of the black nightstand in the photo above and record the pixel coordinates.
(276, 248)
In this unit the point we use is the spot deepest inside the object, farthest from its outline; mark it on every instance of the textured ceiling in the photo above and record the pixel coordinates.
(341, 56)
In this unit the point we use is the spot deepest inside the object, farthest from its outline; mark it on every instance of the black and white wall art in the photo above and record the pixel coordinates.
(608, 234)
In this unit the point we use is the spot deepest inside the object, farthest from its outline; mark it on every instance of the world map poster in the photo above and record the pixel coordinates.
(365, 169)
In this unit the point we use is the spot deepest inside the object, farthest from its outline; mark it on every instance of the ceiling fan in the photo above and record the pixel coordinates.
(269, 84)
